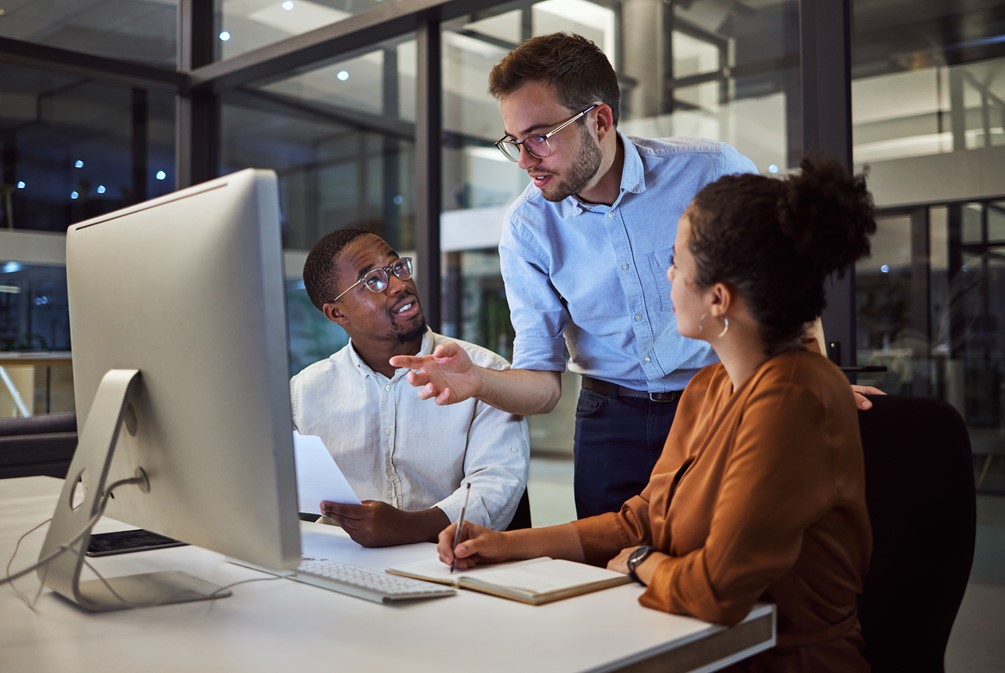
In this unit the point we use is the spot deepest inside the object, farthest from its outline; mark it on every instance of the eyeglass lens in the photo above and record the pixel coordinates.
(376, 280)
(537, 146)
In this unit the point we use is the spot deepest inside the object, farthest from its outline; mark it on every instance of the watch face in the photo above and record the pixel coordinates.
(637, 556)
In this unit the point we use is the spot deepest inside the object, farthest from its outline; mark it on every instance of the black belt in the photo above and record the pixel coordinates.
(612, 390)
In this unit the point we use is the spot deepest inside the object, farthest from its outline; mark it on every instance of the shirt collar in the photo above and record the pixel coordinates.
(360, 365)
(633, 179)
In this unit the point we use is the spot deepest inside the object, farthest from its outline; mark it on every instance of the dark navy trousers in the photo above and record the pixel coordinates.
(617, 443)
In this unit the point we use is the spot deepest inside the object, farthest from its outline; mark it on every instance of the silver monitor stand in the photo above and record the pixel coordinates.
(81, 501)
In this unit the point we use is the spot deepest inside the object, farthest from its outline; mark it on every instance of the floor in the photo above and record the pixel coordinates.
(978, 641)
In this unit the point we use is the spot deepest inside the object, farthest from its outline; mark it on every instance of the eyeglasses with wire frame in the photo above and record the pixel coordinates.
(377, 280)
(537, 146)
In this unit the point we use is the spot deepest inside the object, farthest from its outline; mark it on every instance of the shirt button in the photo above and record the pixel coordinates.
(387, 431)
(625, 267)
(646, 359)
(638, 316)
(610, 215)
(387, 387)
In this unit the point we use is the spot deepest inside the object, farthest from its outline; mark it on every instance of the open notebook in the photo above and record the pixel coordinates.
(534, 581)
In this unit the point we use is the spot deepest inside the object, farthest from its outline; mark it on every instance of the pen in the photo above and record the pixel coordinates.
(460, 524)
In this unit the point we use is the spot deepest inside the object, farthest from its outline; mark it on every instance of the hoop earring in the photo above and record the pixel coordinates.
(701, 325)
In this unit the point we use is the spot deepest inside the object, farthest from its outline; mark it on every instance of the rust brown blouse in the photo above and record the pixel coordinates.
(759, 495)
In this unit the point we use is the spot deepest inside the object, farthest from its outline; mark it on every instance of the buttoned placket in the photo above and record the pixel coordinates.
(631, 283)
(388, 435)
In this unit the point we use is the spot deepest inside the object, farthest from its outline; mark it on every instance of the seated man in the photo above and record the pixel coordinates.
(407, 460)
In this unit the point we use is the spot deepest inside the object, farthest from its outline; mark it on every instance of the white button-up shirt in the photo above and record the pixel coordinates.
(412, 453)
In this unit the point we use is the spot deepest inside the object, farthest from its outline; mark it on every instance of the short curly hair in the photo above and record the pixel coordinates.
(776, 240)
(319, 268)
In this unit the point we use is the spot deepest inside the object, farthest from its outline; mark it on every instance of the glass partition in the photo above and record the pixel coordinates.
(340, 141)
(245, 25)
(140, 31)
(928, 105)
(931, 310)
(35, 373)
(931, 109)
(74, 149)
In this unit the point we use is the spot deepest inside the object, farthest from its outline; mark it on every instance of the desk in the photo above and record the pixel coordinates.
(282, 625)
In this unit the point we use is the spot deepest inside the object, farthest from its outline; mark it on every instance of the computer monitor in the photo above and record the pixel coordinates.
(180, 368)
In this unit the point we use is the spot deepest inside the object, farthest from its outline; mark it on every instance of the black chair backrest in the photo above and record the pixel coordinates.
(920, 495)
(521, 518)
(37, 445)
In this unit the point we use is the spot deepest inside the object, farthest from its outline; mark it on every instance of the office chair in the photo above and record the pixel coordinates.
(521, 518)
(920, 495)
(37, 445)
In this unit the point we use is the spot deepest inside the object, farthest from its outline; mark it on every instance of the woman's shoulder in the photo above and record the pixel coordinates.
(801, 364)
(805, 374)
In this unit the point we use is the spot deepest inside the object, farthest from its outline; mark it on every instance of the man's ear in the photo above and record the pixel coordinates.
(605, 121)
(332, 312)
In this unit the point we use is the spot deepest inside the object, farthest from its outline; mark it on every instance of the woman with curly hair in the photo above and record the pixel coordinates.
(759, 494)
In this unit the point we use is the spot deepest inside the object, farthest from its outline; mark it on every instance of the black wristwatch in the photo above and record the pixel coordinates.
(636, 558)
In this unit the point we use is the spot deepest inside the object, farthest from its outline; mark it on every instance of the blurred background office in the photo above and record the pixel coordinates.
(375, 114)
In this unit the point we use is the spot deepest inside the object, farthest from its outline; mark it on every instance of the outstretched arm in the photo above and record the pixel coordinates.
(448, 376)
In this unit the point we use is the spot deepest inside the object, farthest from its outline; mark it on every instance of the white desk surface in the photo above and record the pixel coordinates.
(282, 625)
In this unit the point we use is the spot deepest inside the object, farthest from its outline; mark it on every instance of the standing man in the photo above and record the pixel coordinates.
(583, 255)
(407, 460)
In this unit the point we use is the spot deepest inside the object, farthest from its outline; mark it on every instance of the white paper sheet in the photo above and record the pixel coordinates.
(318, 476)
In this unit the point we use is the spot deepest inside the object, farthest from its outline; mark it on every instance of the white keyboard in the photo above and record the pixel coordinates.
(371, 585)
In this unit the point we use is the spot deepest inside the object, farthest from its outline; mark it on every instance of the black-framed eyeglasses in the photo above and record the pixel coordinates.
(537, 145)
(377, 280)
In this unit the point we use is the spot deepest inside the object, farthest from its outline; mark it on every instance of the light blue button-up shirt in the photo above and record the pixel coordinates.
(592, 278)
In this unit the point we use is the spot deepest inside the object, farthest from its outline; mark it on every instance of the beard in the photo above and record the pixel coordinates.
(409, 333)
(582, 170)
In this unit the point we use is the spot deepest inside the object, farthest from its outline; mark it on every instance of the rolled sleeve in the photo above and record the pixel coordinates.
(496, 458)
(496, 464)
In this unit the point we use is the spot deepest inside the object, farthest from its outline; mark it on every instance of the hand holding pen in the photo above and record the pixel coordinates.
(460, 523)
